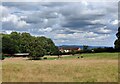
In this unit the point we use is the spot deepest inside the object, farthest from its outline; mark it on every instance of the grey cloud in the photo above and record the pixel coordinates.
(70, 19)
(22, 5)
(12, 27)
(80, 24)
(32, 6)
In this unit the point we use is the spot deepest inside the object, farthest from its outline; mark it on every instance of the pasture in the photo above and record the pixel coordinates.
(95, 67)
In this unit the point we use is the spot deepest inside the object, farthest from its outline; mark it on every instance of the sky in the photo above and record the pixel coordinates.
(66, 23)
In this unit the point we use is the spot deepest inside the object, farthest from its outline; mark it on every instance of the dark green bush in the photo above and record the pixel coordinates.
(35, 58)
(45, 58)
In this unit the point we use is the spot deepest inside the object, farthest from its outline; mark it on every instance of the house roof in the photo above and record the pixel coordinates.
(21, 54)
(69, 48)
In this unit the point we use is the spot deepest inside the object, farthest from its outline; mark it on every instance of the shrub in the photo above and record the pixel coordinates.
(35, 58)
(45, 58)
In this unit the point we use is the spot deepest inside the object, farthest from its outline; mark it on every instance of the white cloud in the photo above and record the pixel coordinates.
(104, 30)
(15, 20)
(4, 11)
(48, 29)
(6, 32)
(115, 22)
(59, 1)
(85, 3)
(66, 22)
(91, 34)
(103, 37)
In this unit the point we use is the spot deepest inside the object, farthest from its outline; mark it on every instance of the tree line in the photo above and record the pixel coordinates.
(40, 46)
(25, 43)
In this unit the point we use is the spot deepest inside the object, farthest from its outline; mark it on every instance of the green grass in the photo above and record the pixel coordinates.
(97, 67)
(88, 56)
(102, 55)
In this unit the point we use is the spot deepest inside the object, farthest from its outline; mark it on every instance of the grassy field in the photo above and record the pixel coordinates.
(97, 67)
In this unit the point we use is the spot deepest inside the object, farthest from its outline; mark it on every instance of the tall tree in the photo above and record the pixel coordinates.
(35, 49)
(117, 42)
(85, 47)
(25, 40)
(16, 39)
(25, 43)
(8, 45)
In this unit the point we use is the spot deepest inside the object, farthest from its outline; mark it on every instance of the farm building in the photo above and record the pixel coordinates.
(21, 54)
(66, 50)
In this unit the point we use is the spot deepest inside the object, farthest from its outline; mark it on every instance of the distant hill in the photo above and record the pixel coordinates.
(79, 46)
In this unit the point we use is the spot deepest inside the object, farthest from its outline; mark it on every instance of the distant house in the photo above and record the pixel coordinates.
(21, 54)
(66, 50)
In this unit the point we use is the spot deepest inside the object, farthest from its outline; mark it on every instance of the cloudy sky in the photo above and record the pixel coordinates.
(75, 23)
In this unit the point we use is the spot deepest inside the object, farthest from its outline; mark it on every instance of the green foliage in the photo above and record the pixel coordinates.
(8, 45)
(105, 49)
(117, 42)
(25, 43)
(85, 47)
(97, 50)
(35, 49)
(25, 40)
(73, 52)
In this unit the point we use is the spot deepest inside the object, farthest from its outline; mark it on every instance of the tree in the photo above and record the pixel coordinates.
(25, 40)
(25, 43)
(117, 42)
(85, 47)
(36, 51)
(73, 52)
(15, 37)
(8, 45)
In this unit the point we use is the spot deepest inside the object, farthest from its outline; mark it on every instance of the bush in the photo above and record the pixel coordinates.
(35, 58)
(105, 49)
(45, 58)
